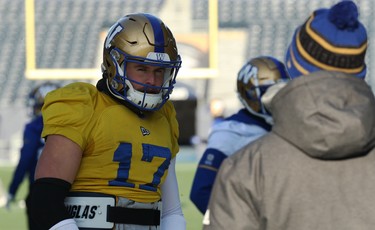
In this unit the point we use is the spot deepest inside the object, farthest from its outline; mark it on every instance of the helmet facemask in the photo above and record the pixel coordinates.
(251, 95)
(150, 98)
(255, 93)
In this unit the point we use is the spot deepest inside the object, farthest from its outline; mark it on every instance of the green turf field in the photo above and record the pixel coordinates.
(185, 174)
(15, 219)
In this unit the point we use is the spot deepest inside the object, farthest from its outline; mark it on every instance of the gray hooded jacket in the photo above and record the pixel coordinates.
(314, 171)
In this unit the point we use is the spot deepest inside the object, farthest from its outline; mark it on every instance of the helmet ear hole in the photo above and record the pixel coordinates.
(115, 54)
(114, 84)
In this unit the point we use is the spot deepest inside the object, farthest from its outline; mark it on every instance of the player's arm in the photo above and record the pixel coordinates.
(218, 148)
(205, 176)
(172, 216)
(55, 172)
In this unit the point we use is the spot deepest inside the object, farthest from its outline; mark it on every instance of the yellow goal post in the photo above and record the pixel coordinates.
(32, 71)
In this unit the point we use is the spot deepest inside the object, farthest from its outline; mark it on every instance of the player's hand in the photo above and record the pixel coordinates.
(10, 199)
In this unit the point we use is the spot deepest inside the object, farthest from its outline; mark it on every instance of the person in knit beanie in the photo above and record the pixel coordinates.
(315, 168)
(331, 39)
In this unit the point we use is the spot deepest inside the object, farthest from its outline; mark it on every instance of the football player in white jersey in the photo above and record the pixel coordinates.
(247, 125)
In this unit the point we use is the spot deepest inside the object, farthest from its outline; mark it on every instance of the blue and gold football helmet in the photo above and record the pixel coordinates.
(254, 78)
(144, 39)
(36, 96)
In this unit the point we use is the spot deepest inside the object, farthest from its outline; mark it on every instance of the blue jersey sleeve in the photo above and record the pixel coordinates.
(204, 178)
(226, 138)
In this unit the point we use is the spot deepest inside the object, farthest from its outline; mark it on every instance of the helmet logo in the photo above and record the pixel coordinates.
(209, 160)
(113, 31)
(144, 131)
(248, 73)
(158, 56)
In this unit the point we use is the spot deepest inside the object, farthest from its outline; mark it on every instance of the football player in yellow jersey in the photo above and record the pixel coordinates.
(109, 158)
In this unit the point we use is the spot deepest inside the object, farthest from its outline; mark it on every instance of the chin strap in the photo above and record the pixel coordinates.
(101, 85)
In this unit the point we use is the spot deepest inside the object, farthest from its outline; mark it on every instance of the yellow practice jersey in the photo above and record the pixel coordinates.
(123, 154)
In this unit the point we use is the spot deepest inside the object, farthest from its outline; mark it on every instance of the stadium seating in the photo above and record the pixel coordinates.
(66, 37)
(67, 30)
(67, 33)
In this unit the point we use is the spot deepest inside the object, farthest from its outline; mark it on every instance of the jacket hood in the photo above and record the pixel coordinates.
(328, 115)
